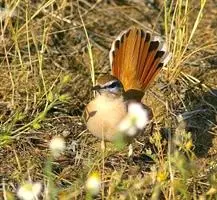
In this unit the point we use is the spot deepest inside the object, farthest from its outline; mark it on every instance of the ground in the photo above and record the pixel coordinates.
(46, 82)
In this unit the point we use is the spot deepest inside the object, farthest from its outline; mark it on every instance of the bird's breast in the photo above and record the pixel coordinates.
(104, 114)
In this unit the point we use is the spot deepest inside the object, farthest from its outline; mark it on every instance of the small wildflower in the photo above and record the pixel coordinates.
(161, 176)
(6, 12)
(29, 191)
(93, 184)
(189, 145)
(57, 146)
(136, 119)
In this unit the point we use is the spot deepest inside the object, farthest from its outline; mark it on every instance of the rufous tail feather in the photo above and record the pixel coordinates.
(136, 57)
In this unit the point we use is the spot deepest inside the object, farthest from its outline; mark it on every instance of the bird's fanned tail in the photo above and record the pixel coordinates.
(136, 58)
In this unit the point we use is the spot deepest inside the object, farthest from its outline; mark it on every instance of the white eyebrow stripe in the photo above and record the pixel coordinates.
(109, 83)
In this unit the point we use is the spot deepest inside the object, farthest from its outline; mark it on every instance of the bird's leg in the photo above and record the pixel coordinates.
(103, 145)
(130, 152)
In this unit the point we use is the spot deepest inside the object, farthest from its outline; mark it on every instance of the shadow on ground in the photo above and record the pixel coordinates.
(201, 119)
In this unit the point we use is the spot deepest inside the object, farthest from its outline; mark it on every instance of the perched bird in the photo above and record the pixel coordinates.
(136, 57)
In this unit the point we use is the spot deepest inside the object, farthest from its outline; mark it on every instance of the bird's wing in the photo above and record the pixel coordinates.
(136, 57)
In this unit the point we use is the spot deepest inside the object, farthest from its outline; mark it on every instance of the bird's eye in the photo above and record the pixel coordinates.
(114, 84)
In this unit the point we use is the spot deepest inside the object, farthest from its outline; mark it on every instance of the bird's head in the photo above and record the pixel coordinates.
(108, 84)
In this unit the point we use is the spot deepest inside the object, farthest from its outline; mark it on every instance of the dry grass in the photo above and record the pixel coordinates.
(46, 53)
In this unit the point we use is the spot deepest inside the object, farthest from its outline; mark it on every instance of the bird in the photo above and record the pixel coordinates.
(136, 57)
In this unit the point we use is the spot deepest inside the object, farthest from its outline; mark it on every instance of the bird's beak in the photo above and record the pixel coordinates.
(96, 88)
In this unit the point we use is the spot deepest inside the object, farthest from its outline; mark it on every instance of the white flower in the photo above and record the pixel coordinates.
(57, 146)
(127, 126)
(139, 113)
(93, 184)
(6, 12)
(29, 191)
(136, 119)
